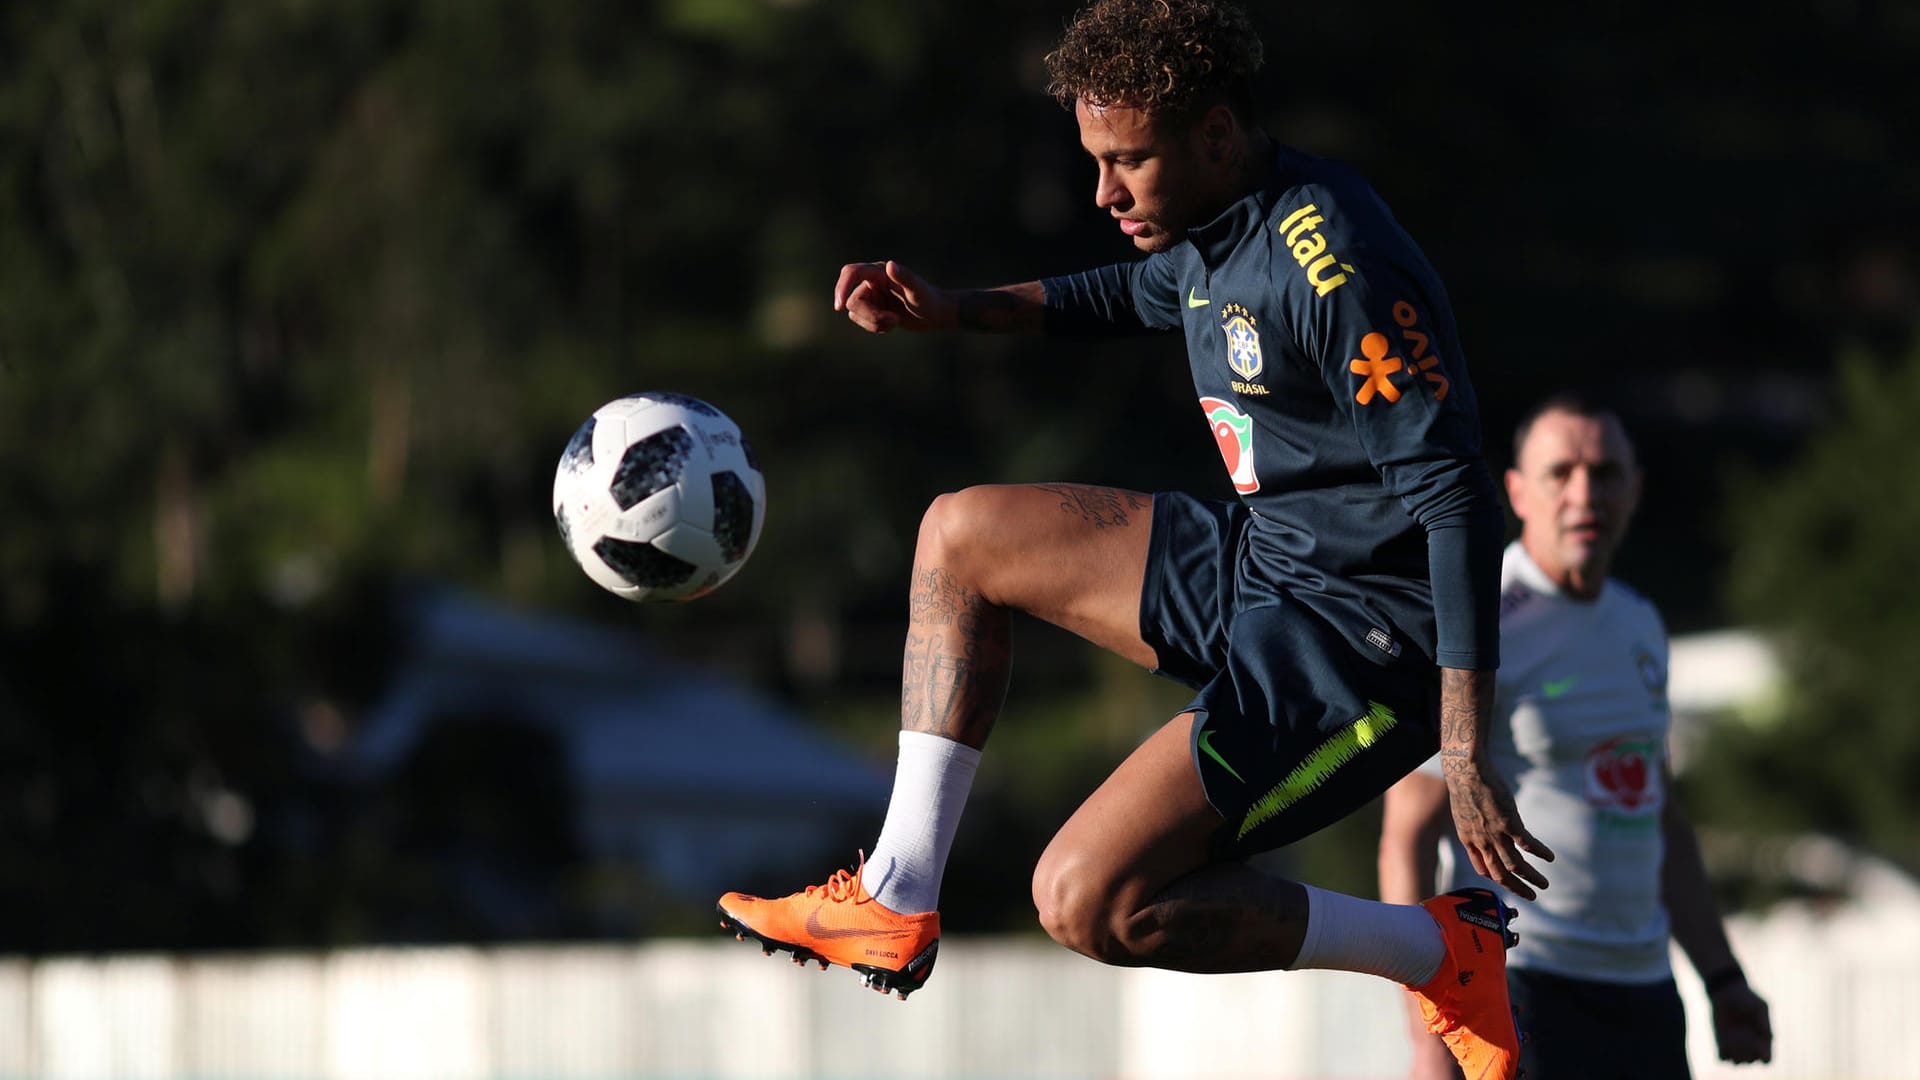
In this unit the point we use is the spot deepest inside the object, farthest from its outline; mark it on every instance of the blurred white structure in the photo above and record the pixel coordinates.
(677, 770)
(1838, 981)
(1711, 675)
(1838, 976)
(1720, 669)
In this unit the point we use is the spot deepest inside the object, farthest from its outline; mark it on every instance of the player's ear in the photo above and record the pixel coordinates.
(1218, 128)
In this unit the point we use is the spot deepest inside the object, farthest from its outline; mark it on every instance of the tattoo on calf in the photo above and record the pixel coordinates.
(952, 684)
(913, 675)
(1221, 918)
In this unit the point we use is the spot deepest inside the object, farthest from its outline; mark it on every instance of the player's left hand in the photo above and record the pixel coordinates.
(1489, 826)
(883, 296)
(1741, 1026)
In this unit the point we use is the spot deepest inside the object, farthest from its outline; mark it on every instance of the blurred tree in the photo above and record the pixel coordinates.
(298, 300)
(1824, 554)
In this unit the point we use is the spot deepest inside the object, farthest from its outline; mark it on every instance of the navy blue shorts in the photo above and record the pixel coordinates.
(1578, 1029)
(1294, 728)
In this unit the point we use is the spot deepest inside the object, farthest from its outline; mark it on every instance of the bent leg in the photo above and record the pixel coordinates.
(1127, 879)
(1072, 555)
(1130, 880)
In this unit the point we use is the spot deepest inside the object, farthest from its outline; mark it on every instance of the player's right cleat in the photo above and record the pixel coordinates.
(838, 923)
(1465, 1003)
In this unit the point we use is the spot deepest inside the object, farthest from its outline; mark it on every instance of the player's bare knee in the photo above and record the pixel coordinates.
(1073, 913)
(1078, 926)
(956, 535)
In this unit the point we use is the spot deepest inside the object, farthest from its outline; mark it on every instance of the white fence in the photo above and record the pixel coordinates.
(1840, 989)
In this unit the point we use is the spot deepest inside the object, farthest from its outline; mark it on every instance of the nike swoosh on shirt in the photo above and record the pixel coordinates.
(1196, 301)
(1554, 688)
(814, 928)
(1206, 746)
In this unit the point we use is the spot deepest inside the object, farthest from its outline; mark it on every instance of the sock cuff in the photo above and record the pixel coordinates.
(931, 747)
(1315, 930)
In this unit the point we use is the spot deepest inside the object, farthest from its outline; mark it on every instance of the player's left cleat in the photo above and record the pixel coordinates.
(838, 923)
(1465, 1003)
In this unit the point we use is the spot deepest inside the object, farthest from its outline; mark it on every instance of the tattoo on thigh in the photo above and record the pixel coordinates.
(1098, 506)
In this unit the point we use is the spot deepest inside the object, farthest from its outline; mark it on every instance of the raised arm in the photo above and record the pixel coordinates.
(885, 296)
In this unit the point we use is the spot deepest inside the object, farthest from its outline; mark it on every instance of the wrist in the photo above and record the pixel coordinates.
(1464, 761)
(1723, 977)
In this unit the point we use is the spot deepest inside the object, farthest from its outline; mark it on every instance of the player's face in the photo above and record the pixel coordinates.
(1574, 489)
(1157, 183)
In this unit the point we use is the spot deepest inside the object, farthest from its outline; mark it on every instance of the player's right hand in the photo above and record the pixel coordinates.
(883, 296)
(1489, 827)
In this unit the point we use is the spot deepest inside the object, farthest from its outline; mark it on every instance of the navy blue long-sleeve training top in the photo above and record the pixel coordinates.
(1329, 368)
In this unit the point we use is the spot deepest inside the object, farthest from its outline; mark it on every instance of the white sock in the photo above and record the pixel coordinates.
(1345, 933)
(930, 785)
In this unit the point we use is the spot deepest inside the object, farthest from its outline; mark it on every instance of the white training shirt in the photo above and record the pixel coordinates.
(1580, 732)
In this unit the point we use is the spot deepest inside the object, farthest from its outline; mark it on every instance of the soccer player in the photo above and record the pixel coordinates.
(1338, 620)
(1580, 731)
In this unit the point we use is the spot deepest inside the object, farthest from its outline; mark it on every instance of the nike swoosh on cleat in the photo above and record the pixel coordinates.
(830, 932)
(1196, 301)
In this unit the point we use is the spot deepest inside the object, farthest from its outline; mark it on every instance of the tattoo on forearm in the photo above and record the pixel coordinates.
(995, 309)
(1466, 701)
(953, 679)
(1098, 506)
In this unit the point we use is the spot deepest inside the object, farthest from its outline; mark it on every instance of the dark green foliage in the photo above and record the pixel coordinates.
(301, 299)
(1826, 562)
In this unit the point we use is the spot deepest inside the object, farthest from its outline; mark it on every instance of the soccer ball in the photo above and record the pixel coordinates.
(658, 497)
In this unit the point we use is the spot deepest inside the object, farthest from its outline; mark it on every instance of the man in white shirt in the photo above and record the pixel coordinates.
(1580, 732)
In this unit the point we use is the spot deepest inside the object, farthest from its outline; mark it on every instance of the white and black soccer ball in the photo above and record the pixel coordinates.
(658, 497)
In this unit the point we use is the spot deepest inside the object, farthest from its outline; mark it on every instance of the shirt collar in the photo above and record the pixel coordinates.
(1519, 566)
(1217, 239)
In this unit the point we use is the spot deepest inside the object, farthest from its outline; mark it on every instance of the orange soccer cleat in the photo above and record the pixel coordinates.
(838, 923)
(1465, 1003)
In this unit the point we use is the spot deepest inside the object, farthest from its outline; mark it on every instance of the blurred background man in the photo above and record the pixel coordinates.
(1580, 731)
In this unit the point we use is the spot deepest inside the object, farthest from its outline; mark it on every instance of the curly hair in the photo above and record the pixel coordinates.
(1167, 58)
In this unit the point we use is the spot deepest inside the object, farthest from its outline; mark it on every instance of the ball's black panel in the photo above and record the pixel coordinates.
(643, 564)
(566, 529)
(732, 515)
(653, 464)
(747, 449)
(691, 404)
(578, 456)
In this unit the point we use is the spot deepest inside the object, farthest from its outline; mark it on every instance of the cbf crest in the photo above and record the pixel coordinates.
(1243, 341)
(1651, 673)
